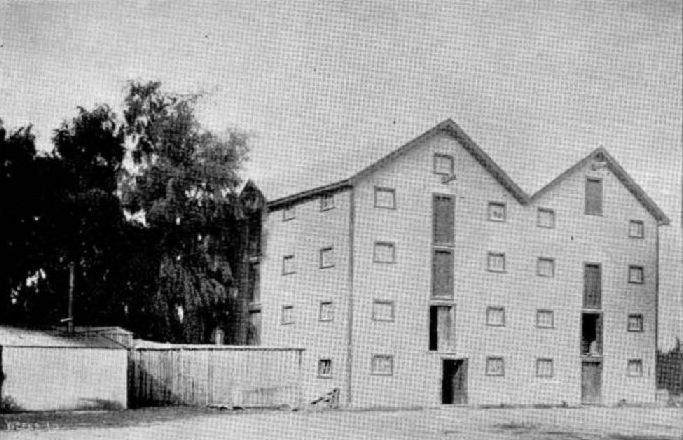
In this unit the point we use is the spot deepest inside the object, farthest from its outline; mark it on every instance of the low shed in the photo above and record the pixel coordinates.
(43, 370)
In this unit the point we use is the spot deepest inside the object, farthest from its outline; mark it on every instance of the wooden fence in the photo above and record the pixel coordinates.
(214, 375)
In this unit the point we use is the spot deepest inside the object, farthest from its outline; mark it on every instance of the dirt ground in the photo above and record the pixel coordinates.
(445, 423)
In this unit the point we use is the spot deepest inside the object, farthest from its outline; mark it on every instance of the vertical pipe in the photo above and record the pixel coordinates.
(349, 348)
(656, 290)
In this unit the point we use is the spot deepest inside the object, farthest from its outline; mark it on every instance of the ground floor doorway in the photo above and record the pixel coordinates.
(591, 382)
(454, 381)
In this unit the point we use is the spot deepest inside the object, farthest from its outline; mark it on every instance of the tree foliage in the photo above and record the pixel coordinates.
(186, 186)
(64, 211)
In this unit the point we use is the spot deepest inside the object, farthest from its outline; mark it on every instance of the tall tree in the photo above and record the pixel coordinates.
(186, 186)
(18, 189)
(78, 221)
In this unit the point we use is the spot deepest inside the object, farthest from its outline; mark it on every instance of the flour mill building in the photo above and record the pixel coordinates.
(431, 278)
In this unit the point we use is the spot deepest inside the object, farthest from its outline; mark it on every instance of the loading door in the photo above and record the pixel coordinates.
(591, 382)
(454, 381)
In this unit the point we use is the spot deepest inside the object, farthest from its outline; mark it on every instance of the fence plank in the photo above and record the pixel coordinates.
(204, 375)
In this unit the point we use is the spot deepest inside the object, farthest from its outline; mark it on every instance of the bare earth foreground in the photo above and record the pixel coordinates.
(446, 423)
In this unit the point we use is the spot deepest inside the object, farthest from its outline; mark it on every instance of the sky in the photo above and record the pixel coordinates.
(325, 88)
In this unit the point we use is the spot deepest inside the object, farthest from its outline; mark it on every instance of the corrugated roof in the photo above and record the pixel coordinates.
(24, 337)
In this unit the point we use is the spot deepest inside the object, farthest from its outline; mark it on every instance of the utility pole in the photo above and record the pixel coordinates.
(70, 310)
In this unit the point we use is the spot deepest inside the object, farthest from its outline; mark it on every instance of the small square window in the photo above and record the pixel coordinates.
(325, 368)
(635, 367)
(544, 367)
(382, 365)
(545, 267)
(383, 311)
(443, 164)
(326, 202)
(546, 218)
(635, 274)
(326, 257)
(635, 323)
(288, 213)
(636, 229)
(385, 198)
(497, 212)
(496, 262)
(287, 315)
(384, 252)
(495, 316)
(288, 266)
(326, 311)
(495, 366)
(545, 319)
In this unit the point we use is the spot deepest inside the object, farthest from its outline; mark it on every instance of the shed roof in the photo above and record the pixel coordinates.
(53, 338)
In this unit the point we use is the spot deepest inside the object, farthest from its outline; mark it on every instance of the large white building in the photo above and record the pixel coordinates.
(431, 278)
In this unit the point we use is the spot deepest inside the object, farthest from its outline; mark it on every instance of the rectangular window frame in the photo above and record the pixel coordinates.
(326, 206)
(382, 189)
(384, 243)
(632, 268)
(288, 213)
(320, 311)
(541, 260)
(637, 361)
(539, 213)
(600, 211)
(490, 255)
(489, 360)
(641, 321)
(539, 361)
(538, 321)
(287, 319)
(376, 317)
(490, 216)
(489, 311)
(324, 372)
(641, 224)
(322, 264)
(373, 364)
(284, 264)
(438, 156)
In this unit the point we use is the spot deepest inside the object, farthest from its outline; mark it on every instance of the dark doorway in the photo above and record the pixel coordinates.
(591, 382)
(454, 382)
(591, 334)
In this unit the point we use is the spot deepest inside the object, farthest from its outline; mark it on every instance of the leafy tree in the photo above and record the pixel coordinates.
(18, 188)
(88, 213)
(186, 185)
(62, 219)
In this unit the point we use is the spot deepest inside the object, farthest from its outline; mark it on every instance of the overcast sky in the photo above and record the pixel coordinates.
(324, 89)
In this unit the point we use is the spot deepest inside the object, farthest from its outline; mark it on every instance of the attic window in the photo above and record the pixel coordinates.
(636, 229)
(288, 213)
(443, 164)
(326, 202)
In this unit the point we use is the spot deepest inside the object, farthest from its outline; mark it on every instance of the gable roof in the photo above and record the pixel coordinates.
(451, 128)
(601, 154)
(447, 126)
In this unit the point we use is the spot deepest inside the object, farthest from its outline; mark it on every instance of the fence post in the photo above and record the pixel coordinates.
(209, 377)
